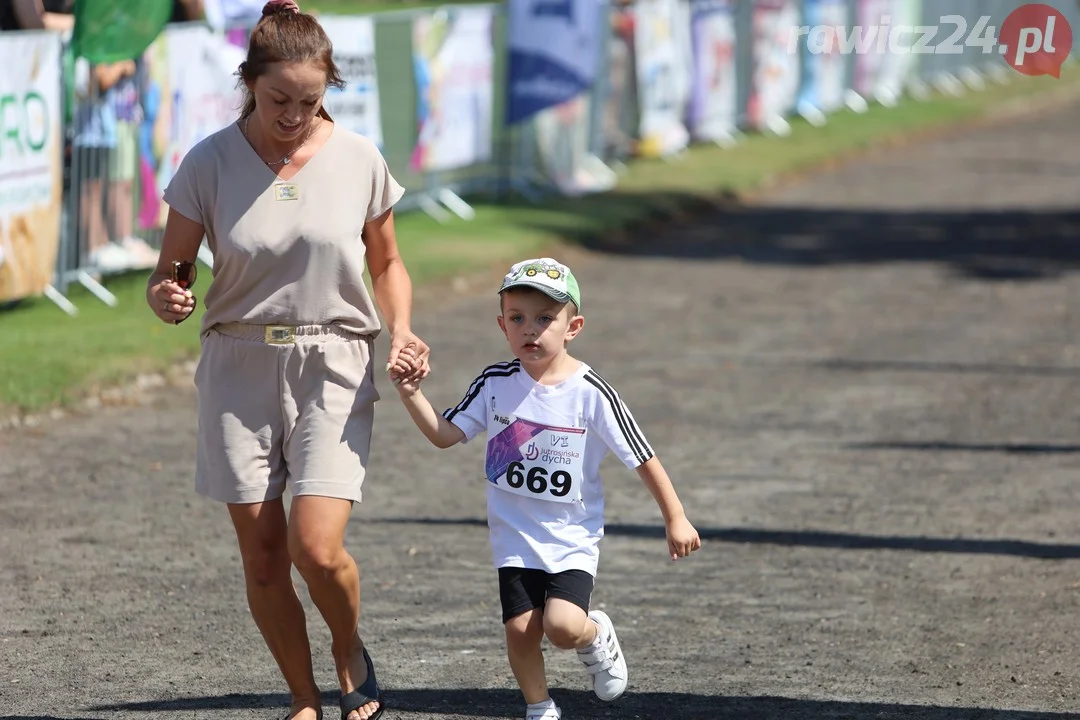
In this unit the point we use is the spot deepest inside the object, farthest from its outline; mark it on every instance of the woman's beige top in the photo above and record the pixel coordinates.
(285, 252)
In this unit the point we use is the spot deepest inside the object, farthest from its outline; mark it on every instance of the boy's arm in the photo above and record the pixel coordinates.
(682, 538)
(615, 424)
(441, 432)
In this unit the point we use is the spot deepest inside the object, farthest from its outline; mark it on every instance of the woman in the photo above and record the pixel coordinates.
(291, 206)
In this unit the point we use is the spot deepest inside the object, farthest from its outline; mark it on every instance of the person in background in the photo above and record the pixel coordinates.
(37, 15)
(124, 98)
(187, 11)
(106, 115)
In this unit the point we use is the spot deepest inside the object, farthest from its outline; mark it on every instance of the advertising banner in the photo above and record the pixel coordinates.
(189, 92)
(554, 48)
(453, 57)
(31, 165)
(900, 65)
(824, 68)
(714, 100)
(562, 139)
(356, 106)
(775, 81)
(663, 59)
(873, 26)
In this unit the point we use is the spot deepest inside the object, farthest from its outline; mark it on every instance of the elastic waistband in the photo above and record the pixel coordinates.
(283, 334)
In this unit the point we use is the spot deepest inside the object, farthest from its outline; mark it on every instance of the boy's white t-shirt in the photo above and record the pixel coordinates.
(545, 500)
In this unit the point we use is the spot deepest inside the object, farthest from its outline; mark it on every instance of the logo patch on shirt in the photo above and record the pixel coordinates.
(286, 191)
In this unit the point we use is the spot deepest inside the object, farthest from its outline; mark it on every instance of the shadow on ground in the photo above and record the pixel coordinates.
(815, 539)
(583, 704)
(942, 446)
(1010, 244)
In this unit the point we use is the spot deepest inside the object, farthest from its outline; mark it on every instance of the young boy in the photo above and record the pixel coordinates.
(550, 420)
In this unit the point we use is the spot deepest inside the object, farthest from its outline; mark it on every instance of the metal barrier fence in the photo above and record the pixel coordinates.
(115, 165)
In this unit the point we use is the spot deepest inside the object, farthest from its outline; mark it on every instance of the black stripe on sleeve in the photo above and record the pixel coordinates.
(505, 369)
(630, 431)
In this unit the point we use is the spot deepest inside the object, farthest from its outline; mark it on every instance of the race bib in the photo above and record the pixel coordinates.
(536, 460)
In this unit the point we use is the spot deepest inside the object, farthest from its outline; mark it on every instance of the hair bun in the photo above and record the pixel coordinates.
(280, 6)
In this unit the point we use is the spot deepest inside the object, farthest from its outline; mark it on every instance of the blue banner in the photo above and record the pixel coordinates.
(824, 76)
(554, 52)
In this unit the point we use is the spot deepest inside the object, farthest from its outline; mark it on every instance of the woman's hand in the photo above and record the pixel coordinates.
(409, 357)
(170, 302)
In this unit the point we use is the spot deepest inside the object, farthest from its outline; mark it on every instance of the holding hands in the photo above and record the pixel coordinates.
(408, 364)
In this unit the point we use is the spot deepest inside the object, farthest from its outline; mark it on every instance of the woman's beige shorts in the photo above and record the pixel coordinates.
(296, 414)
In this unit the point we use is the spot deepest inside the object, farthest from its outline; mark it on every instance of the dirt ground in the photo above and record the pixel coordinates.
(865, 386)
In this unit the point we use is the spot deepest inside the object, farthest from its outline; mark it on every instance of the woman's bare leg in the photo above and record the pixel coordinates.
(262, 533)
(317, 546)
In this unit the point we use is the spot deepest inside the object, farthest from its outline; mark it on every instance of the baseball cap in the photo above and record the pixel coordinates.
(547, 275)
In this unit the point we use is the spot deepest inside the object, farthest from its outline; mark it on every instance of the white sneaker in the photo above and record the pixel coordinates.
(604, 660)
(143, 257)
(543, 711)
(111, 258)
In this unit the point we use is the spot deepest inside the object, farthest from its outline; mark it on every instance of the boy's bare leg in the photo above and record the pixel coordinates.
(523, 636)
(593, 636)
(567, 626)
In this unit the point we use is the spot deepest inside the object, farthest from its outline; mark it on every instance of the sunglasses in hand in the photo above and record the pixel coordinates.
(184, 274)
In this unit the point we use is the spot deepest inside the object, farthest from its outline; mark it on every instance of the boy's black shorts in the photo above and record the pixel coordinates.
(523, 589)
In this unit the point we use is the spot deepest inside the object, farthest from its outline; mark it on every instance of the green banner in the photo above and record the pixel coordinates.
(112, 30)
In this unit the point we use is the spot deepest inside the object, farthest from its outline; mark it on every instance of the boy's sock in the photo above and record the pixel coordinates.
(597, 641)
(547, 710)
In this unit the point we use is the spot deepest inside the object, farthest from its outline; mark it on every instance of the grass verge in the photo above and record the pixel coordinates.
(49, 359)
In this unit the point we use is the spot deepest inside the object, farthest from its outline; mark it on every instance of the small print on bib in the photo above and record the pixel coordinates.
(537, 461)
(286, 191)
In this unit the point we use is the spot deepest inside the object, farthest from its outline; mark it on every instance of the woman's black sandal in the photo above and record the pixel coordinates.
(366, 693)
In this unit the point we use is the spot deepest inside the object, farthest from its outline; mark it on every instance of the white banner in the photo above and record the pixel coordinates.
(824, 82)
(898, 67)
(453, 55)
(776, 67)
(228, 13)
(715, 103)
(190, 92)
(562, 139)
(875, 23)
(356, 107)
(664, 60)
(31, 168)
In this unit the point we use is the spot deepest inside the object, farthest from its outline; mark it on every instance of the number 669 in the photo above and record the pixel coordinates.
(537, 479)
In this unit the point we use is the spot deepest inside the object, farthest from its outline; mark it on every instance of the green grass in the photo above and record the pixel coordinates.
(49, 359)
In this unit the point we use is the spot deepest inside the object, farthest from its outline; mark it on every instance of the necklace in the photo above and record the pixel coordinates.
(287, 158)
